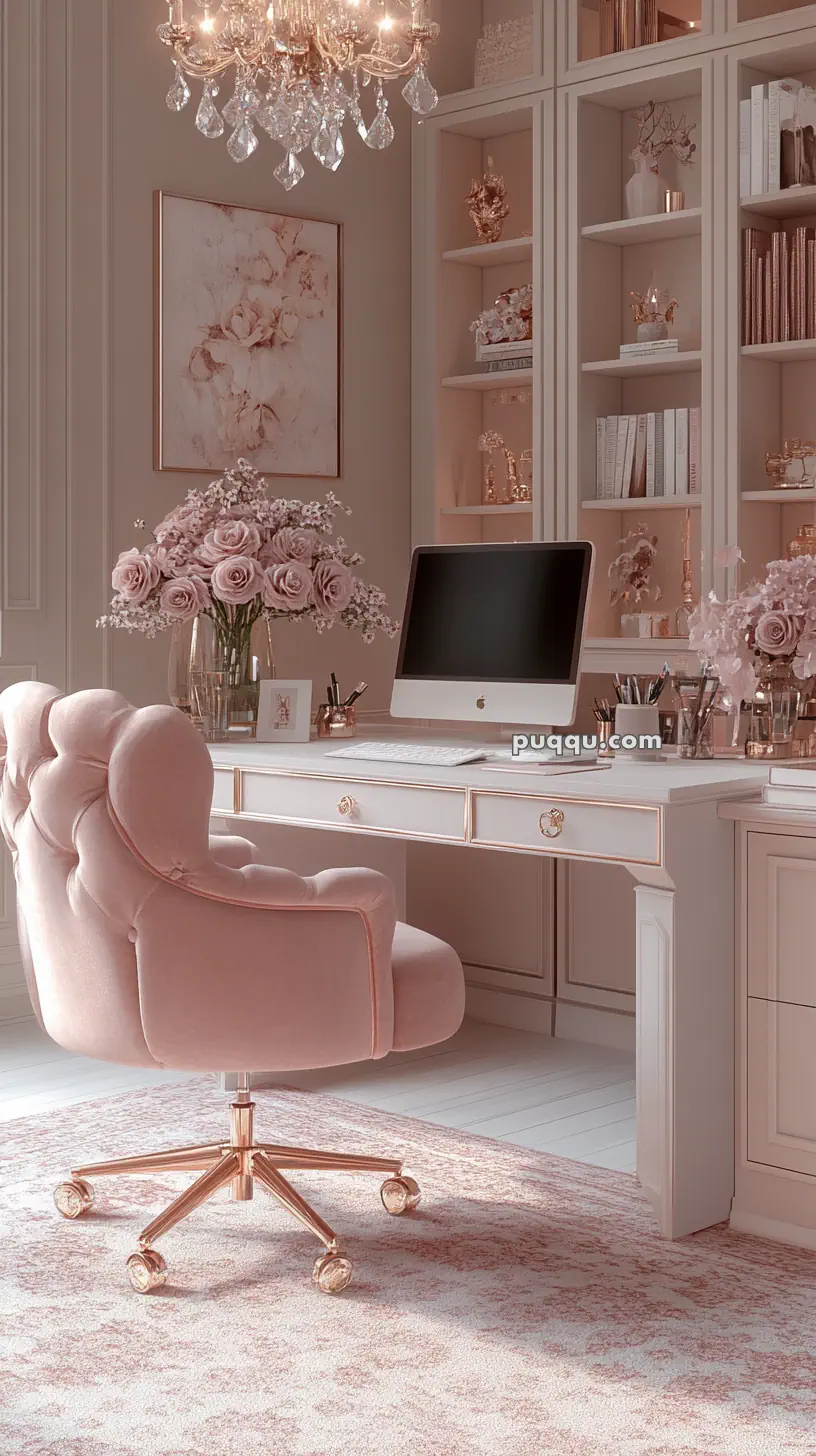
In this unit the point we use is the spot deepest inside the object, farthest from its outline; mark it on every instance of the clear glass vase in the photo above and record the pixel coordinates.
(215, 674)
(774, 711)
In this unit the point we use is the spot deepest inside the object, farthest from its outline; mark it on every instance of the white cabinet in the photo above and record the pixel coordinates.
(775, 1192)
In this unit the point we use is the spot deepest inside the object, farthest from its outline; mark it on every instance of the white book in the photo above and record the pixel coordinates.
(779, 794)
(638, 486)
(765, 144)
(620, 453)
(629, 457)
(659, 470)
(600, 454)
(757, 140)
(651, 420)
(745, 148)
(694, 452)
(798, 776)
(681, 452)
(658, 346)
(610, 453)
(669, 463)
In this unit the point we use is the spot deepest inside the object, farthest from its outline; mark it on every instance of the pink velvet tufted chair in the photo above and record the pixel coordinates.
(148, 943)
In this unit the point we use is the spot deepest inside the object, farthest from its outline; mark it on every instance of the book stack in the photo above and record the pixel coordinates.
(627, 23)
(500, 358)
(778, 285)
(655, 348)
(791, 786)
(654, 454)
(769, 156)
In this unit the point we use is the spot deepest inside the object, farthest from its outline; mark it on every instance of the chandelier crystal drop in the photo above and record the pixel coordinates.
(300, 69)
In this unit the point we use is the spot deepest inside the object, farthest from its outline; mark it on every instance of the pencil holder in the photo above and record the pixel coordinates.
(336, 722)
(636, 721)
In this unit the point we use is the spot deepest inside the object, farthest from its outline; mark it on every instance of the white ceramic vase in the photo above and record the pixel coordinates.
(644, 190)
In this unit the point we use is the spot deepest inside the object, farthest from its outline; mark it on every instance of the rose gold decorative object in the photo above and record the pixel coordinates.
(674, 201)
(803, 543)
(526, 475)
(239, 1163)
(488, 206)
(490, 441)
(790, 462)
(684, 611)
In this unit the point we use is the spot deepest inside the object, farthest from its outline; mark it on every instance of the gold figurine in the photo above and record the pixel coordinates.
(794, 466)
(526, 474)
(488, 442)
(487, 202)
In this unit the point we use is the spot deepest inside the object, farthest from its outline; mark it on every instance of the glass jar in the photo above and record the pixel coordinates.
(696, 695)
(215, 673)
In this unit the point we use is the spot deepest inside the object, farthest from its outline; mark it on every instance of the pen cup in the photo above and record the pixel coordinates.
(637, 720)
(336, 722)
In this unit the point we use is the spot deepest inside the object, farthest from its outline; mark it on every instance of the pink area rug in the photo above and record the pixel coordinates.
(528, 1309)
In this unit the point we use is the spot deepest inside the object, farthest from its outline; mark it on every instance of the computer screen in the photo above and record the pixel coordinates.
(496, 614)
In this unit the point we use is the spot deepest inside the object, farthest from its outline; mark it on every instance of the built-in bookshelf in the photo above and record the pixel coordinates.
(564, 135)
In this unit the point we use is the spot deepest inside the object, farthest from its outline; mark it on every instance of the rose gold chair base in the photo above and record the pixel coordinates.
(240, 1163)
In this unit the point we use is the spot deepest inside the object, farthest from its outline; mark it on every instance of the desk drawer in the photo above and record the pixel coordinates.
(428, 812)
(566, 827)
(223, 800)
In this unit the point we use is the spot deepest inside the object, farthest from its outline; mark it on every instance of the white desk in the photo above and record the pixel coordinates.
(658, 820)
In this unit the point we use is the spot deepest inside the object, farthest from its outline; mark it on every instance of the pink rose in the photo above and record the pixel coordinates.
(332, 588)
(134, 576)
(290, 544)
(286, 587)
(236, 580)
(776, 634)
(249, 320)
(230, 538)
(184, 597)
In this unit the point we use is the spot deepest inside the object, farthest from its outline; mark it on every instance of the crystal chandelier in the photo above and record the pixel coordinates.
(300, 67)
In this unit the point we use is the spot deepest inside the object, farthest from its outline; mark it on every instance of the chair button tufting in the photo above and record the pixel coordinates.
(132, 936)
(176, 874)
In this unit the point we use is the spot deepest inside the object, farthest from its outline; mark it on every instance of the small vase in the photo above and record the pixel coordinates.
(774, 711)
(215, 673)
(644, 190)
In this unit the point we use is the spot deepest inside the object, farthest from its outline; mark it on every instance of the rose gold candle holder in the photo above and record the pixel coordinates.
(674, 201)
(336, 722)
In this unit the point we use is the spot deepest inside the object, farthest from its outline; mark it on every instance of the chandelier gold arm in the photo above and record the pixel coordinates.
(379, 66)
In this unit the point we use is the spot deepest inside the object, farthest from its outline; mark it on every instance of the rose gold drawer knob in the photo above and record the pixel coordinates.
(347, 806)
(551, 823)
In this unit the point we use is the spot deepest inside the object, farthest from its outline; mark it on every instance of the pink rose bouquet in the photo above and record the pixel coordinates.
(235, 553)
(773, 621)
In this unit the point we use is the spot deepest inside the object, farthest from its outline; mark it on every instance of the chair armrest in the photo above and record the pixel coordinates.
(270, 968)
(232, 851)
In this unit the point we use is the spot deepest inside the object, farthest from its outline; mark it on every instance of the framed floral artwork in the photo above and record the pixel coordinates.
(247, 339)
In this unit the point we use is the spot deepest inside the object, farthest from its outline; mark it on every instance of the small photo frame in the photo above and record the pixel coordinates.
(284, 711)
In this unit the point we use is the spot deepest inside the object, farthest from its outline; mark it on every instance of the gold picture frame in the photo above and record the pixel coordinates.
(247, 339)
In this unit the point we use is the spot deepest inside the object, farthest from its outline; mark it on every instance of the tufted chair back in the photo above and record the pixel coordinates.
(143, 943)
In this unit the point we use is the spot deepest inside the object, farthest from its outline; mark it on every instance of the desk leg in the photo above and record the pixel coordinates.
(685, 1041)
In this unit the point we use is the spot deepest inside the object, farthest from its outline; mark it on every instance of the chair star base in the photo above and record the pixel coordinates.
(240, 1163)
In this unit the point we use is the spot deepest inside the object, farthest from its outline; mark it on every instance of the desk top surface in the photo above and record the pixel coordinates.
(672, 781)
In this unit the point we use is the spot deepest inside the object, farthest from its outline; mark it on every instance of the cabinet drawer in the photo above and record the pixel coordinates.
(362, 804)
(223, 800)
(566, 827)
(781, 1086)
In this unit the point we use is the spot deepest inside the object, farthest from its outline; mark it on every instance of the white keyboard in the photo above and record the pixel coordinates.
(434, 755)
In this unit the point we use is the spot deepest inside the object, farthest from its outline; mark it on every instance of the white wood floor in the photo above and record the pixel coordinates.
(556, 1096)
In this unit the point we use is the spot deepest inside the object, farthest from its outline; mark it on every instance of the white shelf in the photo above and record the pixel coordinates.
(632, 654)
(779, 497)
(644, 503)
(513, 508)
(795, 351)
(686, 361)
(492, 255)
(790, 202)
(656, 229)
(505, 379)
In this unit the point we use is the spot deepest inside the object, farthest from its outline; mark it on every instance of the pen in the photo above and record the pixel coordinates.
(358, 693)
(335, 698)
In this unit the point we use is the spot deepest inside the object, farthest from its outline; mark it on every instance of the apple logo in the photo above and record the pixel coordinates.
(480, 702)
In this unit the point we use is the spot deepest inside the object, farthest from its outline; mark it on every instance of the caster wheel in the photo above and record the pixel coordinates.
(400, 1195)
(333, 1272)
(146, 1270)
(73, 1198)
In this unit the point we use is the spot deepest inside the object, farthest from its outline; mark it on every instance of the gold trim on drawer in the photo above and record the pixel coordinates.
(318, 778)
(557, 848)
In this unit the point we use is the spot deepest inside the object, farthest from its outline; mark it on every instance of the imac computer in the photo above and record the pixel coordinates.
(493, 633)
